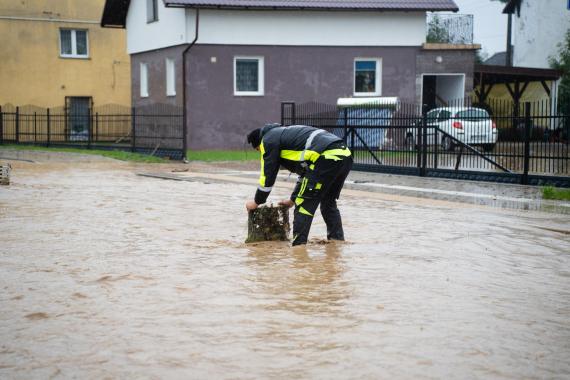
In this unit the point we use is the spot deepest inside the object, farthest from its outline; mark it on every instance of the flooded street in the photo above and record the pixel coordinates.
(106, 274)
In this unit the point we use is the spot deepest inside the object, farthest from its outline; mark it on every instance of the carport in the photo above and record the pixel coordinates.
(515, 79)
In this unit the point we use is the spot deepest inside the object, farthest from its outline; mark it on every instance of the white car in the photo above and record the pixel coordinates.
(470, 125)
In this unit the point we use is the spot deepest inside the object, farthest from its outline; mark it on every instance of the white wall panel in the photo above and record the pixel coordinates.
(540, 28)
(299, 28)
(169, 30)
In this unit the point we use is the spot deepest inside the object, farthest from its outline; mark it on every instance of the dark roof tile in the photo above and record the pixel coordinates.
(389, 5)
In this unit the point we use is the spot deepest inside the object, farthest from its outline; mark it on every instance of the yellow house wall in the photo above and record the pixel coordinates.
(31, 69)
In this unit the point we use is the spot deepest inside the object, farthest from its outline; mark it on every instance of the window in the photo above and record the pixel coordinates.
(444, 115)
(144, 80)
(151, 11)
(432, 116)
(73, 43)
(472, 114)
(367, 76)
(170, 78)
(248, 76)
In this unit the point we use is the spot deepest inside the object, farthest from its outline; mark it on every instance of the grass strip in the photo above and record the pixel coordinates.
(551, 192)
(222, 155)
(116, 154)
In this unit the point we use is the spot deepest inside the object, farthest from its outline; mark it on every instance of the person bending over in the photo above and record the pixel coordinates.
(322, 162)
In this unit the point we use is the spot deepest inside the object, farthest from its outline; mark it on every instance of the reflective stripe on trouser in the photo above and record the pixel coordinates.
(321, 186)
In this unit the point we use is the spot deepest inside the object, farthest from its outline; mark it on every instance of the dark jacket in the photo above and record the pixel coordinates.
(287, 147)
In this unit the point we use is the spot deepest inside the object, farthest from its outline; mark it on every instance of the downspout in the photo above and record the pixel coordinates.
(184, 110)
(509, 60)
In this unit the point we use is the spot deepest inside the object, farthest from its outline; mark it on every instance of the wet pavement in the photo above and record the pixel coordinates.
(109, 274)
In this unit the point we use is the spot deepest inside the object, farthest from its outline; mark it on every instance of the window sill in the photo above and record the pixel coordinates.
(249, 94)
(74, 57)
(366, 94)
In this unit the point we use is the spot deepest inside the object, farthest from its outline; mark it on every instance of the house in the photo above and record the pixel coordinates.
(523, 74)
(539, 26)
(55, 53)
(230, 63)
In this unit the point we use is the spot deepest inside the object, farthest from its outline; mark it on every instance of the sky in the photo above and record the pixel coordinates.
(490, 29)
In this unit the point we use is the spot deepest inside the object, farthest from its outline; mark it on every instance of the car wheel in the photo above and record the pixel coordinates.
(488, 147)
(409, 143)
(447, 143)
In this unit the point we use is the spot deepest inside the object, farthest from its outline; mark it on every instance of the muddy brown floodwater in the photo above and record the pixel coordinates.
(106, 274)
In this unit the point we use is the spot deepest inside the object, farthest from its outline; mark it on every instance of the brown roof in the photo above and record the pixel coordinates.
(385, 5)
(115, 11)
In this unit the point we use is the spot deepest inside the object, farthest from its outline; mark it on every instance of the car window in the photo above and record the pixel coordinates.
(444, 115)
(432, 116)
(472, 114)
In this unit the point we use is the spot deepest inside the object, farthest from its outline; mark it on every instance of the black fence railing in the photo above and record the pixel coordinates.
(157, 129)
(500, 141)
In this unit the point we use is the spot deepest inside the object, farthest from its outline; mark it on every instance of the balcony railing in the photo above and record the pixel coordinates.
(449, 29)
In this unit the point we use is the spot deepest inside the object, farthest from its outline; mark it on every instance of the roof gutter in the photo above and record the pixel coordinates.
(184, 108)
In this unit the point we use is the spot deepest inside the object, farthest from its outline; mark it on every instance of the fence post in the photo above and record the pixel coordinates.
(1, 126)
(294, 114)
(90, 129)
(96, 126)
(527, 127)
(423, 143)
(133, 124)
(17, 125)
(48, 127)
(35, 127)
(282, 113)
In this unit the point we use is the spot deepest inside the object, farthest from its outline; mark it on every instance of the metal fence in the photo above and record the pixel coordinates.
(500, 141)
(449, 28)
(157, 129)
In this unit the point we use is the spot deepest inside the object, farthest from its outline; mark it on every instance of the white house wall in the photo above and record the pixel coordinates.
(169, 30)
(298, 28)
(176, 26)
(541, 26)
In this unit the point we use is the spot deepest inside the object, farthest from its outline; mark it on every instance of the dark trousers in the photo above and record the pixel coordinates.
(320, 185)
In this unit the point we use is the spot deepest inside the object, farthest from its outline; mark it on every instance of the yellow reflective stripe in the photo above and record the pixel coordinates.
(303, 211)
(312, 167)
(295, 155)
(299, 201)
(262, 175)
(333, 154)
(291, 155)
(318, 186)
(311, 155)
(303, 186)
(338, 152)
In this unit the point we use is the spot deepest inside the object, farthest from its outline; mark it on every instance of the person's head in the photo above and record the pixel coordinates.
(254, 138)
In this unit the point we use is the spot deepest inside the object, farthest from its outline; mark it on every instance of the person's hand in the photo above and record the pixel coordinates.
(286, 203)
(250, 205)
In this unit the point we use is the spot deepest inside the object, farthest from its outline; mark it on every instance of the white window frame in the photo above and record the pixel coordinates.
(144, 80)
(260, 77)
(378, 81)
(74, 44)
(170, 76)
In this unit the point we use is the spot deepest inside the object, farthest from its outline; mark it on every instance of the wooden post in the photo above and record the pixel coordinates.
(267, 223)
(1, 126)
(133, 130)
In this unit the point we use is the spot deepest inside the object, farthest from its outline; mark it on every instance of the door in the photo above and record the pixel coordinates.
(78, 117)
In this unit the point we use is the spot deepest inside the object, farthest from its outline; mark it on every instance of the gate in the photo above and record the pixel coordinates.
(461, 141)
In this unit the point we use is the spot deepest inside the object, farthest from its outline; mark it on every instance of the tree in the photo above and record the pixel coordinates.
(563, 63)
(437, 31)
